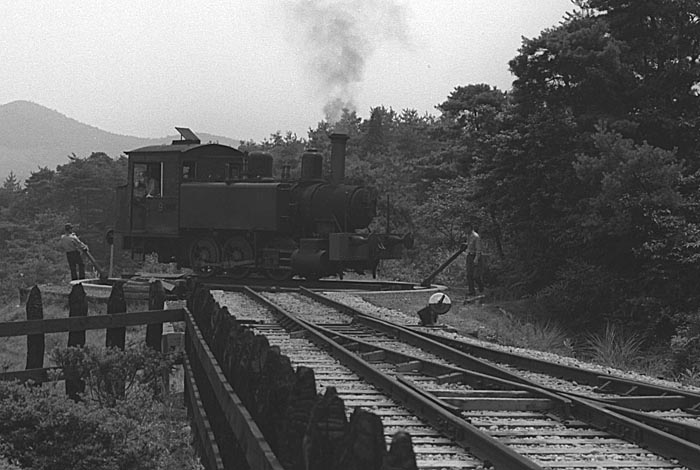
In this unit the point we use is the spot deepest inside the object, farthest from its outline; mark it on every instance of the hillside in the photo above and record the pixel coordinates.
(32, 135)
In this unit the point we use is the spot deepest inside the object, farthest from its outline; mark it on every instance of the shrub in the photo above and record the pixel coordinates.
(690, 376)
(541, 336)
(110, 374)
(42, 429)
(613, 348)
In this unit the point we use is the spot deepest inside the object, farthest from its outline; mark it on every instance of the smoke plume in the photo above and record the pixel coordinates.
(339, 36)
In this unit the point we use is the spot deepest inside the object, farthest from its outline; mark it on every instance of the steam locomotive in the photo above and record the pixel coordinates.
(216, 209)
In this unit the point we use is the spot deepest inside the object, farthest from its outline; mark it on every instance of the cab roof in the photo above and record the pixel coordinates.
(177, 148)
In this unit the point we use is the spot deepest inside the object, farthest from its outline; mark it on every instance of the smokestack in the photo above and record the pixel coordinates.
(338, 141)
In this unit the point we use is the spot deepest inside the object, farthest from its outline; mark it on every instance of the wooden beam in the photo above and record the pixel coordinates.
(202, 429)
(257, 450)
(35, 343)
(36, 375)
(77, 307)
(116, 337)
(156, 301)
(98, 322)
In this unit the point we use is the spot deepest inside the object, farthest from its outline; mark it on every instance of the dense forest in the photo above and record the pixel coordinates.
(583, 178)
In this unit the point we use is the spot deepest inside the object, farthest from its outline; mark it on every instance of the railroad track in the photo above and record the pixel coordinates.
(377, 341)
(434, 448)
(672, 410)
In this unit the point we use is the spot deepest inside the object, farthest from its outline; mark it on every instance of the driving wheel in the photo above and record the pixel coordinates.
(237, 257)
(204, 255)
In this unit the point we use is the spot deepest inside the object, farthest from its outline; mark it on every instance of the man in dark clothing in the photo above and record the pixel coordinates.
(71, 244)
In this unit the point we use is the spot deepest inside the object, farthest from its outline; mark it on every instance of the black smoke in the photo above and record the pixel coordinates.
(339, 37)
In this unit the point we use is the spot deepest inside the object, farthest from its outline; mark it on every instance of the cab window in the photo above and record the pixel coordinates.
(189, 171)
(148, 180)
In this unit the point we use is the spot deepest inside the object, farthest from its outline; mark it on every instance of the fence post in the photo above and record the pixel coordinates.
(365, 447)
(77, 307)
(156, 301)
(116, 337)
(302, 399)
(401, 455)
(272, 396)
(35, 343)
(326, 431)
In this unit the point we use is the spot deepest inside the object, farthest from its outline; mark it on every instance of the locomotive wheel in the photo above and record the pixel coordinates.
(286, 246)
(204, 255)
(237, 250)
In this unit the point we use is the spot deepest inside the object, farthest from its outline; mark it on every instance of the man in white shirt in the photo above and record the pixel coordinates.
(474, 260)
(71, 244)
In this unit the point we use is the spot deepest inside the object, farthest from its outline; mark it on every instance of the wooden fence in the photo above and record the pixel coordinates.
(248, 407)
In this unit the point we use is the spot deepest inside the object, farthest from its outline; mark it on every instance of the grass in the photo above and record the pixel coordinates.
(541, 336)
(690, 376)
(501, 327)
(614, 348)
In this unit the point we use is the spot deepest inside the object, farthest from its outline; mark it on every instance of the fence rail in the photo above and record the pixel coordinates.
(97, 322)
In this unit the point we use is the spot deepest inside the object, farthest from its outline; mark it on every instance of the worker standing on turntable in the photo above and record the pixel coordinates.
(71, 244)
(474, 271)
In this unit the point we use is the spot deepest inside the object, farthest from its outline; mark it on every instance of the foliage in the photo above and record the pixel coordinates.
(509, 329)
(111, 374)
(540, 336)
(685, 345)
(589, 168)
(614, 348)
(43, 430)
(661, 51)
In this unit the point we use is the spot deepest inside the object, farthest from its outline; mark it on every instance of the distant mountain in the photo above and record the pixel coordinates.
(33, 136)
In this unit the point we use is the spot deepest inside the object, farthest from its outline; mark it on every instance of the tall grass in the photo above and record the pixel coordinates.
(613, 347)
(509, 330)
(539, 336)
(690, 376)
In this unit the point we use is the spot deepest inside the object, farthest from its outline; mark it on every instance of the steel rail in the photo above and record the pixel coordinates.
(462, 432)
(625, 427)
(604, 382)
(686, 431)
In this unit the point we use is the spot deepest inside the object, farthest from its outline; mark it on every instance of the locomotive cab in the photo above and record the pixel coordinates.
(149, 206)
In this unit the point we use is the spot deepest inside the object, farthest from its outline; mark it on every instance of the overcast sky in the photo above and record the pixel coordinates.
(245, 69)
